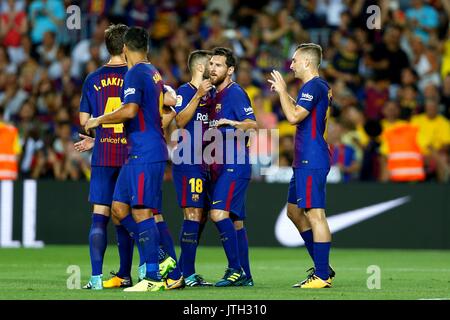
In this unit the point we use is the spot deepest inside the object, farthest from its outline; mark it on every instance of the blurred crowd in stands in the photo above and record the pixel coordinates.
(380, 78)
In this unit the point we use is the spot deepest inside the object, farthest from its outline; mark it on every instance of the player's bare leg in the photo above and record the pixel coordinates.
(319, 224)
(120, 210)
(234, 274)
(298, 217)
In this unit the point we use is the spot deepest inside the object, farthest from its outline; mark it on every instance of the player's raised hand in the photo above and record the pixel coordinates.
(86, 143)
(225, 122)
(91, 124)
(277, 82)
(204, 87)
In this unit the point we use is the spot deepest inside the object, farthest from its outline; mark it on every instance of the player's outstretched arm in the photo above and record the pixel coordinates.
(124, 113)
(245, 125)
(294, 113)
(85, 144)
(188, 112)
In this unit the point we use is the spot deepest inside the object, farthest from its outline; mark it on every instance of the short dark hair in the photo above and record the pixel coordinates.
(114, 36)
(313, 49)
(231, 60)
(196, 55)
(136, 39)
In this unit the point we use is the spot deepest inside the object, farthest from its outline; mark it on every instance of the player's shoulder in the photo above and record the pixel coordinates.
(236, 90)
(318, 83)
(315, 86)
(91, 76)
(115, 68)
(186, 88)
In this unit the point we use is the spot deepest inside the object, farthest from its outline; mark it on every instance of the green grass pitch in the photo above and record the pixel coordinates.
(405, 274)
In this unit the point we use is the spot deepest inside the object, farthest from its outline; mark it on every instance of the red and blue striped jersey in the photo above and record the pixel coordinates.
(311, 149)
(101, 94)
(233, 103)
(143, 86)
(195, 128)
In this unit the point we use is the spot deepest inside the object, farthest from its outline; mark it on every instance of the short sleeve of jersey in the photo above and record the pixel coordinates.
(308, 97)
(242, 106)
(184, 96)
(132, 88)
(351, 155)
(85, 102)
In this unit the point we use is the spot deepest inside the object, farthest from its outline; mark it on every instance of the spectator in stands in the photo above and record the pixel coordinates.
(33, 156)
(5, 63)
(402, 157)
(408, 77)
(434, 139)
(446, 96)
(345, 64)
(343, 159)
(408, 98)
(387, 59)
(81, 53)
(391, 115)
(45, 15)
(140, 13)
(13, 24)
(9, 149)
(423, 19)
(12, 98)
(425, 63)
(371, 159)
(48, 50)
(445, 51)
(377, 94)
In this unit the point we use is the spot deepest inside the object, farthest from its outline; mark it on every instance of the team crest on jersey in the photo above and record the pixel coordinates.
(195, 197)
(218, 107)
(179, 101)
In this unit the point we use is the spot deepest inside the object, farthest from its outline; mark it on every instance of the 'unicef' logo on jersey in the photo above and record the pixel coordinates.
(129, 91)
(307, 97)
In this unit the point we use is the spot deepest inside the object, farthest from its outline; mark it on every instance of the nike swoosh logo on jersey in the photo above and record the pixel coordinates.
(287, 234)
(214, 202)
